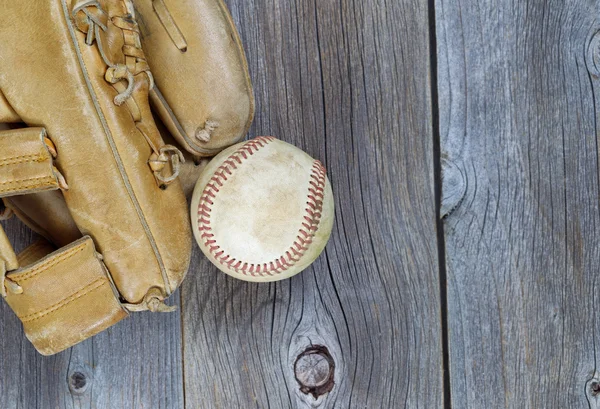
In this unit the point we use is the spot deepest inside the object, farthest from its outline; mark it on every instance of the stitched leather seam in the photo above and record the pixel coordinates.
(75, 296)
(38, 270)
(21, 159)
(49, 182)
(26, 180)
(306, 231)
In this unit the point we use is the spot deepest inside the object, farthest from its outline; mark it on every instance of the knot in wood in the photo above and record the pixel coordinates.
(454, 187)
(314, 370)
(593, 55)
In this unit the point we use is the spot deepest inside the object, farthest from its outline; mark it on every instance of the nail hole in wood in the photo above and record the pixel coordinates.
(314, 370)
(78, 383)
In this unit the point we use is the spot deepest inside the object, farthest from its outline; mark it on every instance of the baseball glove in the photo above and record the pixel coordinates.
(74, 72)
(202, 92)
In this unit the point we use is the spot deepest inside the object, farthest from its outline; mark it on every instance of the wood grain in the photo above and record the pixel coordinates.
(518, 90)
(347, 81)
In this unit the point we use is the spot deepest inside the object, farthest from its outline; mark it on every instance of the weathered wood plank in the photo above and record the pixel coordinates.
(518, 115)
(348, 81)
(135, 364)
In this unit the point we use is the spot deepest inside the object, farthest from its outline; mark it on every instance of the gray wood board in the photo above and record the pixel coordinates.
(347, 81)
(518, 83)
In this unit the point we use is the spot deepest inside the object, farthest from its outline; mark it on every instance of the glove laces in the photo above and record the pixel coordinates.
(153, 302)
(92, 20)
(96, 20)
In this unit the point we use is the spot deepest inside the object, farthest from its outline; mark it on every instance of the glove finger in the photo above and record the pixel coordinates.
(203, 92)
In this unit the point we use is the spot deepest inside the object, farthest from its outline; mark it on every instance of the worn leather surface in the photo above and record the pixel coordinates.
(206, 82)
(59, 83)
(202, 90)
(57, 289)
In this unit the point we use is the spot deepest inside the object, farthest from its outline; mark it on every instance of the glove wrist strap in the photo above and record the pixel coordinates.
(64, 297)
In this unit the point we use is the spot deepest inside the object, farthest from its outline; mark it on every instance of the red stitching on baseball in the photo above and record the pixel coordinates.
(312, 218)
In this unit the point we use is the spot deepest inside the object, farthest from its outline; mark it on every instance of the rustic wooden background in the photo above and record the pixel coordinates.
(461, 139)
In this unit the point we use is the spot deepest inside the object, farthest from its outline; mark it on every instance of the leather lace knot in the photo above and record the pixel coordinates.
(153, 302)
(91, 19)
(167, 154)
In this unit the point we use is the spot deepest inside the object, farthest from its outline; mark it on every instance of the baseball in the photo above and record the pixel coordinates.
(262, 210)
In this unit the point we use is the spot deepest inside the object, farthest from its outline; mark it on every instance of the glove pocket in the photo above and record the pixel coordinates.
(64, 297)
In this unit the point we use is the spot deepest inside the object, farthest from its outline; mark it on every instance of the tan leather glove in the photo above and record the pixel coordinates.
(75, 72)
